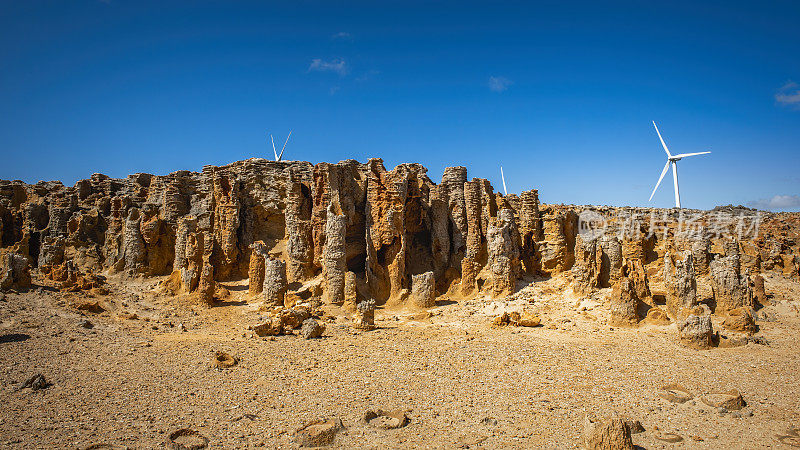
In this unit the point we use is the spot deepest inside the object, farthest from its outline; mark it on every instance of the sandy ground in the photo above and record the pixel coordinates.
(130, 382)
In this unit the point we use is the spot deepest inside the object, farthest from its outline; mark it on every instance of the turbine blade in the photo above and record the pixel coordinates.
(273, 147)
(663, 172)
(662, 140)
(505, 192)
(284, 145)
(683, 155)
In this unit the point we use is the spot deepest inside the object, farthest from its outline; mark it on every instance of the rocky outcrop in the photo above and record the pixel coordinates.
(587, 268)
(681, 284)
(731, 289)
(634, 270)
(624, 304)
(612, 261)
(475, 250)
(15, 272)
(503, 254)
(388, 227)
(696, 332)
(275, 283)
(364, 318)
(701, 253)
(299, 242)
(133, 249)
(335, 264)
(256, 270)
(612, 433)
(741, 320)
(423, 290)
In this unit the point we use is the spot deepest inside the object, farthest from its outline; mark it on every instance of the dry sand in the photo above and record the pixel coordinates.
(130, 382)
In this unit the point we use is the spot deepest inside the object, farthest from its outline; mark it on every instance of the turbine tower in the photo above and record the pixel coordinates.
(672, 161)
(277, 156)
(505, 192)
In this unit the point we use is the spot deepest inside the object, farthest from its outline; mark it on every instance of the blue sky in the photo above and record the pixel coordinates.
(562, 94)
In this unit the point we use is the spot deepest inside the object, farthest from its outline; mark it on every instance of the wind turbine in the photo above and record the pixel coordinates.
(505, 192)
(277, 156)
(673, 161)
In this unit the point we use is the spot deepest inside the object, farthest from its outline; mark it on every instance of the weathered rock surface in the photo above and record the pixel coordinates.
(364, 318)
(423, 289)
(731, 289)
(696, 332)
(624, 304)
(312, 329)
(607, 434)
(681, 284)
(318, 433)
(328, 221)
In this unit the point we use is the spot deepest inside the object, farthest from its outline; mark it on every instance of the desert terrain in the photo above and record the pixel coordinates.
(234, 308)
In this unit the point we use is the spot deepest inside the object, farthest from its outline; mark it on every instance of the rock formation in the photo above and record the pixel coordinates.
(681, 284)
(351, 232)
(275, 284)
(335, 264)
(503, 254)
(696, 332)
(731, 289)
(624, 304)
(587, 268)
(424, 290)
(15, 272)
(612, 433)
(257, 268)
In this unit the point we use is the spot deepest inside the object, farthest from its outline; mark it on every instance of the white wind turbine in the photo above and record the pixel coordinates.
(505, 192)
(277, 156)
(672, 160)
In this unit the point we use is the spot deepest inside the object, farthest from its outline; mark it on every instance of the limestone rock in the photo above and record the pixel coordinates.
(256, 271)
(681, 284)
(696, 332)
(634, 270)
(318, 433)
(271, 327)
(612, 261)
(731, 400)
(757, 286)
(15, 272)
(292, 319)
(741, 320)
(334, 255)
(312, 329)
(656, 316)
(624, 304)
(423, 290)
(364, 318)
(275, 284)
(503, 254)
(608, 434)
(731, 289)
(386, 420)
(350, 289)
(588, 262)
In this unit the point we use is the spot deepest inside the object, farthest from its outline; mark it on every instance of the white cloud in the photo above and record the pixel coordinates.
(336, 65)
(789, 95)
(342, 36)
(499, 84)
(778, 202)
(334, 90)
